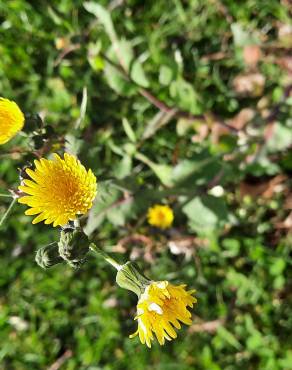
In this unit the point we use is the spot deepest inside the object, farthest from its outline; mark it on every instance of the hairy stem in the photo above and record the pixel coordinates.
(103, 254)
(8, 211)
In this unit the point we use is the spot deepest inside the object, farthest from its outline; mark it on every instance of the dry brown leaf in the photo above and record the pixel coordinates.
(209, 326)
(62, 43)
(286, 63)
(288, 202)
(251, 84)
(215, 56)
(265, 189)
(182, 246)
(203, 131)
(141, 246)
(252, 55)
(242, 118)
(110, 302)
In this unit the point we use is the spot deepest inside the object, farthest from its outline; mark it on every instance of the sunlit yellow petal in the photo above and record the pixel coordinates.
(160, 216)
(11, 120)
(159, 310)
(59, 190)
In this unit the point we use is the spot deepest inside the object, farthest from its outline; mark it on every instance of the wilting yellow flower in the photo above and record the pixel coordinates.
(160, 216)
(11, 120)
(160, 309)
(61, 189)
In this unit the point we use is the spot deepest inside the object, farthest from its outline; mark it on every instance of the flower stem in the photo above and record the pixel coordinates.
(109, 259)
(6, 195)
(8, 211)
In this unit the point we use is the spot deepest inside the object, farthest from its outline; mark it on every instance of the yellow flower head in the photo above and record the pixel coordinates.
(159, 310)
(160, 216)
(11, 120)
(61, 189)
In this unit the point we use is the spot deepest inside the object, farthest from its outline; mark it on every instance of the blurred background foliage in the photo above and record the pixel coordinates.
(185, 103)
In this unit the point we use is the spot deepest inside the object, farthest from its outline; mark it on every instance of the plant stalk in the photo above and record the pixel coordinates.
(105, 256)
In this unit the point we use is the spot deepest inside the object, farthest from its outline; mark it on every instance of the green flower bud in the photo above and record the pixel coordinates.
(48, 256)
(130, 277)
(73, 246)
(33, 122)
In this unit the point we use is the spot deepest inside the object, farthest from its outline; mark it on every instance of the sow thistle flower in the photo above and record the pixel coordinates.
(11, 120)
(160, 216)
(59, 190)
(161, 306)
(160, 310)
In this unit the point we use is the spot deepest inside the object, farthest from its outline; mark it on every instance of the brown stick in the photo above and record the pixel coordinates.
(208, 326)
(60, 361)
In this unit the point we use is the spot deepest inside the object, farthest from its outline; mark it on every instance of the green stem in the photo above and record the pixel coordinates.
(6, 195)
(8, 211)
(109, 259)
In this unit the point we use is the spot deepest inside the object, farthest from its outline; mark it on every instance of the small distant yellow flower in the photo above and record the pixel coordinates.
(61, 189)
(11, 120)
(160, 309)
(160, 216)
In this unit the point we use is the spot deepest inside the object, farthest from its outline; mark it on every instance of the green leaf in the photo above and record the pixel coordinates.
(158, 121)
(185, 96)
(162, 171)
(241, 36)
(228, 337)
(128, 130)
(206, 213)
(123, 168)
(138, 75)
(281, 138)
(73, 144)
(165, 75)
(107, 195)
(104, 17)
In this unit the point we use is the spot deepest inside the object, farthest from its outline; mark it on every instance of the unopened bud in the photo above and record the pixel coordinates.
(73, 246)
(48, 256)
(131, 278)
(33, 122)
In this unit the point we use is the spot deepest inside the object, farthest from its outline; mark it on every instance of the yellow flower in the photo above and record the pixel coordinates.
(61, 189)
(11, 120)
(160, 216)
(159, 310)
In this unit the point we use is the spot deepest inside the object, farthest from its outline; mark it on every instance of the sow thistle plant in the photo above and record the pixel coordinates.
(58, 191)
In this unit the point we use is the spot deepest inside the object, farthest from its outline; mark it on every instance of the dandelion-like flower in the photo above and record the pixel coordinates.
(11, 120)
(160, 216)
(59, 190)
(160, 310)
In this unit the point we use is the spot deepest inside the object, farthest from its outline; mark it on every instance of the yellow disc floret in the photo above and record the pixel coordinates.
(59, 190)
(160, 216)
(160, 310)
(11, 120)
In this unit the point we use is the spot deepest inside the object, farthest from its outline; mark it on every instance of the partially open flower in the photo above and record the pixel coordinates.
(161, 306)
(11, 120)
(160, 310)
(160, 216)
(61, 189)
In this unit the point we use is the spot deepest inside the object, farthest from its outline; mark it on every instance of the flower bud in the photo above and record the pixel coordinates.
(131, 278)
(48, 256)
(33, 122)
(73, 246)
